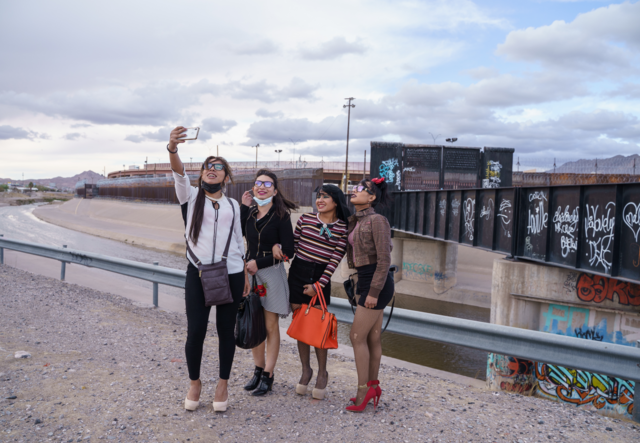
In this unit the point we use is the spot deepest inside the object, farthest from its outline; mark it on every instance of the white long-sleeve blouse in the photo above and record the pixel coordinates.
(204, 249)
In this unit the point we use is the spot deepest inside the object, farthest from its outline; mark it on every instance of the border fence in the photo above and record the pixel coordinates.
(591, 228)
(297, 184)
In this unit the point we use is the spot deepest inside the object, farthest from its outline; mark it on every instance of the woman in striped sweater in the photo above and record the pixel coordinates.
(320, 241)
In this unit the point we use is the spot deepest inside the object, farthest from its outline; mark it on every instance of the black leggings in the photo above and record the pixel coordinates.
(198, 318)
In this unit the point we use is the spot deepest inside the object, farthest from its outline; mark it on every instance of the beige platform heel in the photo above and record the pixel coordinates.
(303, 389)
(191, 405)
(319, 394)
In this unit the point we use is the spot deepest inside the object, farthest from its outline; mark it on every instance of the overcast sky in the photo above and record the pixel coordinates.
(93, 85)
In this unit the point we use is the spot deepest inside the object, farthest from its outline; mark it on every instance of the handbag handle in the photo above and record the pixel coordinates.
(320, 297)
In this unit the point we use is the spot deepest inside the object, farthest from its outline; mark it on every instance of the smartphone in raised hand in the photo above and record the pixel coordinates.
(190, 134)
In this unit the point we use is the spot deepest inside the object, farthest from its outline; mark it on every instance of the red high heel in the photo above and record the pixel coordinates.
(378, 390)
(372, 393)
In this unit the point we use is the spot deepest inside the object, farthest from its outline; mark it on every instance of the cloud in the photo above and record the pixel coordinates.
(73, 136)
(264, 92)
(214, 125)
(152, 104)
(606, 38)
(262, 112)
(258, 47)
(333, 49)
(10, 132)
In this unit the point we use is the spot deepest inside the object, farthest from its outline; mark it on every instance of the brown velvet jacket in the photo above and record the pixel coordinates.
(372, 244)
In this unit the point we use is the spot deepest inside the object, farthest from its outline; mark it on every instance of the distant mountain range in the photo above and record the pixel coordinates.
(60, 182)
(613, 165)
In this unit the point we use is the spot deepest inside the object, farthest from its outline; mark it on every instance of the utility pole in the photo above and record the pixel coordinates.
(364, 166)
(217, 151)
(256, 146)
(346, 161)
(278, 151)
(146, 160)
(294, 152)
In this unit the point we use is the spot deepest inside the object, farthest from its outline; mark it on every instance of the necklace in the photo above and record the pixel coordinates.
(325, 229)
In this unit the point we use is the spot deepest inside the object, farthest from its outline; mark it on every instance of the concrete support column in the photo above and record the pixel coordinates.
(396, 256)
(429, 261)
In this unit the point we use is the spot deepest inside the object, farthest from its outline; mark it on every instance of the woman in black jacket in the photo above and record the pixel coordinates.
(265, 225)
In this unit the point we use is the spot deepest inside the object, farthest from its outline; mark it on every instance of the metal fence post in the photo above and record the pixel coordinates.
(155, 289)
(63, 268)
(1, 253)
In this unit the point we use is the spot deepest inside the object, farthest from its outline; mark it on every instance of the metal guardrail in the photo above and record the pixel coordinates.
(153, 273)
(603, 358)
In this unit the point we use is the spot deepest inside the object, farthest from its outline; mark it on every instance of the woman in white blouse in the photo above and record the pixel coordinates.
(205, 206)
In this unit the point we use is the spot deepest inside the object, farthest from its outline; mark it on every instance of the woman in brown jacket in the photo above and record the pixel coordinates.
(369, 251)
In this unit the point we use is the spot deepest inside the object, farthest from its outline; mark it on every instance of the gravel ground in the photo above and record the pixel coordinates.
(102, 368)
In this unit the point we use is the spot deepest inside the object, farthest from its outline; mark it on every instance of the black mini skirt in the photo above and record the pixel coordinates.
(365, 275)
(303, 272)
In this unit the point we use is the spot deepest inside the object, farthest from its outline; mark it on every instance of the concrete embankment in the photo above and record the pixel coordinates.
(101, 368)
(463, 278)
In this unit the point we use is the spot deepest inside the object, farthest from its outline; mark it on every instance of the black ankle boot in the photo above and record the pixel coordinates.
(255, 380)
(265, 384)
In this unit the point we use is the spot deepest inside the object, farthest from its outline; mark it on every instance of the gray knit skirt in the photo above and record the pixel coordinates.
(274, 278)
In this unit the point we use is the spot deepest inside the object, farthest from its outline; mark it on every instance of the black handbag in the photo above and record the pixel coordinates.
(251, 329)
(215, 276)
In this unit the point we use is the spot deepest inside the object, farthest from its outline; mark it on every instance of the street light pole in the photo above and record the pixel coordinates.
(278, 151)
(346, 161)
(256, 146)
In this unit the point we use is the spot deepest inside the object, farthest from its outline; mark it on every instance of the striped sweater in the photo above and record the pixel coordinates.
(316, 248)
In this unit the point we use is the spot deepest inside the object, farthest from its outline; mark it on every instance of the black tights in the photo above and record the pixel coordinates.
(198, 318)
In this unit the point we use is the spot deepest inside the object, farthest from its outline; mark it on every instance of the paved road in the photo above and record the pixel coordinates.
(18, 222)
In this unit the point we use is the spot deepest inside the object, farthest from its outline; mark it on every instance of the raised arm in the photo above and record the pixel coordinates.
(172, 147)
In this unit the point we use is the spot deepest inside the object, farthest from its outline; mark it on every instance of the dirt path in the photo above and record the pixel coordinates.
(102, 368)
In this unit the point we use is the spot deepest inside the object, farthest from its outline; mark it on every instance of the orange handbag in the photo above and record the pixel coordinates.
(315, 327)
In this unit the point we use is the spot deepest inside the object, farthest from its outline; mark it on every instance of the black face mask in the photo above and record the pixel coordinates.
(211, 188)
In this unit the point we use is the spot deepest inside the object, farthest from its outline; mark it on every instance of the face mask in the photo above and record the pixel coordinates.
(266, 201)
(211, 188)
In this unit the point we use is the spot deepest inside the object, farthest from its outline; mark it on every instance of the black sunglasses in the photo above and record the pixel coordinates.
(216, 166)
(259, 183)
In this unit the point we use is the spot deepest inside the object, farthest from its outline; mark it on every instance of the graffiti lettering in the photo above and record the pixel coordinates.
(599, 235)
(566, 224)
(386, 169)
(596, 289)
(537, 220)
(486, 210)
(581, 388)
(469, 211)
(538, 195)
(527, 244)
(443, 207)
(409, 169)
(631, 217)
(398, 179)
(588, 333)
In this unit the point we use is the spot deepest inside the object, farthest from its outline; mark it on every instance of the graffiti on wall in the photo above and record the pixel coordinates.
(493, 175)
(598, 227)
(585, 388)
(515, 373)
(386, 169)
(596, 289)
(566, 224)
(418, 271)
(468, 210)
(506, 211)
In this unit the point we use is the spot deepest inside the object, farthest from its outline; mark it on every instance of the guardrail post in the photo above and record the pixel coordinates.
(63, 268)
(155, 289)
(636, 395)
(1, 253)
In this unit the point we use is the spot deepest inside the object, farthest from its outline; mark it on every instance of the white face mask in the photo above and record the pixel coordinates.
(266, 201)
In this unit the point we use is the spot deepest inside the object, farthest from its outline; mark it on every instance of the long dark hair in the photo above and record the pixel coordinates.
(283, 206)
(383, 198)
(198, 210)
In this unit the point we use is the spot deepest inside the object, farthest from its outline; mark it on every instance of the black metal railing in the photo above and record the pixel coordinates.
(567, 226)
